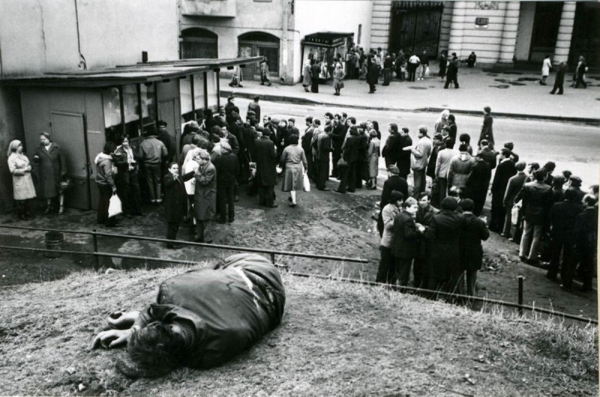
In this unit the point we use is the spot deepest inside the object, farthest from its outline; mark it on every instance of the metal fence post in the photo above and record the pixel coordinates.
(520, 297)
(96, 257)
(273, 257)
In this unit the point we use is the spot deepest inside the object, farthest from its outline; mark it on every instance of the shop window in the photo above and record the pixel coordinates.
(185, 98)
(212, 91)
(199, 93)
(148, 103)
(199, 43)
(131, 110)
(112, 112)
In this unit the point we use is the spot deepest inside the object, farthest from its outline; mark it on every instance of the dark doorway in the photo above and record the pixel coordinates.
(416, 26)
(545, 30)
(199, 43)
(586, 34)
(256, 44)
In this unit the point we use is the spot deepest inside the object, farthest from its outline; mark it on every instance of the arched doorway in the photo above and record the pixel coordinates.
(199, 43)
(256, 44)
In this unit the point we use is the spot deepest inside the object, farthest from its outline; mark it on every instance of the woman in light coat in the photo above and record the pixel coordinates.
(373, 153)
(293, 160)
(20, 168)
(338, 76)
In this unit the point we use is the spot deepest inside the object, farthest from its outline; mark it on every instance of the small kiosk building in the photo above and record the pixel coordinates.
(83, 109)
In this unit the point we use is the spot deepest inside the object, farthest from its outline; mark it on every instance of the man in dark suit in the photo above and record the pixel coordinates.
(404, 155)
(561, 218)
(424, 217)
(266, 174)
(537, 198)
(394, 182)
(306, 142)
(392, 149)
(506, 170)
(487, 130)
(228, 167)
(471, 253)
(405, 239)
(514, 186)
(350, 153)
(445, 267)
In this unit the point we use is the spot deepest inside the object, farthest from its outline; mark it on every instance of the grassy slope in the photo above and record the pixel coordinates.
(336, 339)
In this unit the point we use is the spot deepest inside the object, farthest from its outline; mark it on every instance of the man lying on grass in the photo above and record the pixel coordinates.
(201, 318)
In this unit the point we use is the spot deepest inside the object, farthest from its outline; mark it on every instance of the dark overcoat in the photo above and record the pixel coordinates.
(444, 234)
(392, 149)
(205, 193)
(51, 167)
(474, 232)
(176, 196)
(478, 184)
(562, 220)
(406, 236)
(504, 171)
(266, 161)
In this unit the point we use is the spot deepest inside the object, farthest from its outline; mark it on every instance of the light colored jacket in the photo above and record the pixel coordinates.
(420, 154)
(442, 164)
(388, 214)
(23, 188)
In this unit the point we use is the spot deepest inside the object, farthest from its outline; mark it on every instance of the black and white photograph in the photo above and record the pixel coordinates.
(299, 198)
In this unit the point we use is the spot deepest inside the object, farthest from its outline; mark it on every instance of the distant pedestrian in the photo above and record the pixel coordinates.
(306, 76)
(372, 74)
(264, 72)
(424, 61)
(388, 65)
(228, 167)
(373, 153)
(546, 66)
(401, 66)
(452, 73)
(413, 64)
(443, 64)
(266, 173)
(487, 130)
(23, 188)
(472, 59)
(580, 73)
(559, 80)
(315, 71)
(338, 76)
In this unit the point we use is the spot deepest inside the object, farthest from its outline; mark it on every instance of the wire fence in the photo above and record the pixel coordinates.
(97, 254)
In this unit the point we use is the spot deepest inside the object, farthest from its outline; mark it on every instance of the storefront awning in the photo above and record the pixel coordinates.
(128, 74)
(327, 39)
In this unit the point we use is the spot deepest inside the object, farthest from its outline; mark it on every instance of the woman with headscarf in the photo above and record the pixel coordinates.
(293, 161)
(306, 76)
(442, 121)
(20, 168)
(338, 75)
(51, 168)
(373, 153)
(205, 197)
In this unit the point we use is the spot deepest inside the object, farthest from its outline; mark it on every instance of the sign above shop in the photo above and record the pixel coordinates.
(482, 23)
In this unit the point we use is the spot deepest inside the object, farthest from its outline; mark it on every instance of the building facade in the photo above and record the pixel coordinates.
(499, 32)
(276, 29)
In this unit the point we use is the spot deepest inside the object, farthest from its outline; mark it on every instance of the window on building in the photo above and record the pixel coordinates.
(199, 43)
(148, 102)
(111, 101)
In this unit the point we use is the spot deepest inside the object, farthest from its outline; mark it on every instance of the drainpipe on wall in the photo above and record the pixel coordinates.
(283, 73)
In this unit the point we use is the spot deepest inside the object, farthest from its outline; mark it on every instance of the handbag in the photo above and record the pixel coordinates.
(514, 215)
(114, 206)
(341, 84)
(305, 182)
(342, 163)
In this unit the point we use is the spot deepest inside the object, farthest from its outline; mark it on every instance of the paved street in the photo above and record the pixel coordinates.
(572, 146)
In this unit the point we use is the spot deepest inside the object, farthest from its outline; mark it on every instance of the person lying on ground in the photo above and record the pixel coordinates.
(201, 318)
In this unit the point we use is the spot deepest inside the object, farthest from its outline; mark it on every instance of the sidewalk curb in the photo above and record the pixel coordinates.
(305, 101)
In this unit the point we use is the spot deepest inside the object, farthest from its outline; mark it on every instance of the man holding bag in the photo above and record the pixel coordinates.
(105, 171)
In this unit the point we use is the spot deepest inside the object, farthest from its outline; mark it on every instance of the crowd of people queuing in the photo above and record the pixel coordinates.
(437, 231)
